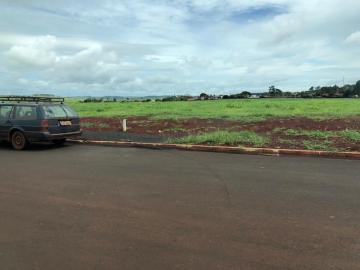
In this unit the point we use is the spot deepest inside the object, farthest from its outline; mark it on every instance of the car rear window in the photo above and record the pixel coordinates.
(58, 111)
(70, 112)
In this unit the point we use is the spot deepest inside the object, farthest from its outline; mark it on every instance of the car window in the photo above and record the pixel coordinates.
(54, 111)
(5, 112)
(70, 112)
(25, 113)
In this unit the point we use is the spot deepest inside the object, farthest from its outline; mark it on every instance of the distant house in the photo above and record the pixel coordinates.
(204, 96)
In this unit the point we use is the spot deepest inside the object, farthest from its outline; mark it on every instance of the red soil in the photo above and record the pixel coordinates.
(178, 128)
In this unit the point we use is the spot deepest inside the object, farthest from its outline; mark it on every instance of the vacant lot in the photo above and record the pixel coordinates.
(244, 110)
(316, 124)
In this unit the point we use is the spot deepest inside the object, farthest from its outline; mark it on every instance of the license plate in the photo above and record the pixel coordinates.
(65, 123)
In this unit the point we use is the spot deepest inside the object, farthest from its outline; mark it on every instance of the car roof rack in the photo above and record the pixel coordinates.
(35, 99)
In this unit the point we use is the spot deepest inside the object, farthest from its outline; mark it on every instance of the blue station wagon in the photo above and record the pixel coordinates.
(36, 119)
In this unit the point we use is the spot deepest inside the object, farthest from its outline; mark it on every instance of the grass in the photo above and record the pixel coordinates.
(352, 135)
(92, 125)
(318, 140)
(318, 134)
(175, 129)
(245, 110)
(321, 146)
(224, 138)
(289, 142)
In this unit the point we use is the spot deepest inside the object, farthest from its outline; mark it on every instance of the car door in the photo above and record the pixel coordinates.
(26, 118)
(5, 123)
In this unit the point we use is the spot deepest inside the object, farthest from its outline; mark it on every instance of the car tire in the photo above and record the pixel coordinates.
(59, 141)
(18, 140)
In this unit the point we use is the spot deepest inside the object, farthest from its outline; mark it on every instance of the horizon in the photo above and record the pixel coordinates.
(166, 48)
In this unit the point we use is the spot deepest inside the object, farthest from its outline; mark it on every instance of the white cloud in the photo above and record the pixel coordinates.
(45, 57)
(37, 52)
(354, 38)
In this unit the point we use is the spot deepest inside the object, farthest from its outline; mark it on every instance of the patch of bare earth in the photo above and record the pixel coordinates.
(183, 127)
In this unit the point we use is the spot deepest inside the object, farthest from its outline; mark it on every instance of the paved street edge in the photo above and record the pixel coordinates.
(225, 149)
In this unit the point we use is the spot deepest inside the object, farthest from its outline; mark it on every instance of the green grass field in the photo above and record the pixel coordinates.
(245, 110)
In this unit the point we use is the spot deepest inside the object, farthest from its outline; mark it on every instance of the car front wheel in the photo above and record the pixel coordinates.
(18, 140)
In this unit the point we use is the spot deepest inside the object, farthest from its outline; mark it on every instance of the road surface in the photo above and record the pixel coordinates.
(87, 207)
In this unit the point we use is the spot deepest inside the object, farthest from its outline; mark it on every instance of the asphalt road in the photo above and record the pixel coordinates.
(88, 207)
(118, 136)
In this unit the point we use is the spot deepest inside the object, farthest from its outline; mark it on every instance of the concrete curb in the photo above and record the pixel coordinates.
(225, 149)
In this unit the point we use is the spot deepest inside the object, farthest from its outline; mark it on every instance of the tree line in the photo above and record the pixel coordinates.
(346, 91)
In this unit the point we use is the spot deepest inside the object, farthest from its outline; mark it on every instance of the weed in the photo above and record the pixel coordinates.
(318, 134)
(352, 135)
(94, 125)
(87, 124)
(224, 138)
(321, 146)
(278, 130)
(175, 129)
(289, 142)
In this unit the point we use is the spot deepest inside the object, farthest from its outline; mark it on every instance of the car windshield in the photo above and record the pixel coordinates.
(58, 111)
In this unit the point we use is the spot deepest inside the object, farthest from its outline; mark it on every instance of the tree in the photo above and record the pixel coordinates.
(245, 94)
(357, 88)
(274, 92)
(204, 96)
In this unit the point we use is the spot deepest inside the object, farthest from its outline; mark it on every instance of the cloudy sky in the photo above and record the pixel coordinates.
(156, 47)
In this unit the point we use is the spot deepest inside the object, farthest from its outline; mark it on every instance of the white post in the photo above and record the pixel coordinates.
(124, 125)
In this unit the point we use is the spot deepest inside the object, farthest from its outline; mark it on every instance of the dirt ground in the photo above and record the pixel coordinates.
(179, 128)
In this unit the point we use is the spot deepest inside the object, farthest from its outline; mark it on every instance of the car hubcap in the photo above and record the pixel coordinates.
(18, 140)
